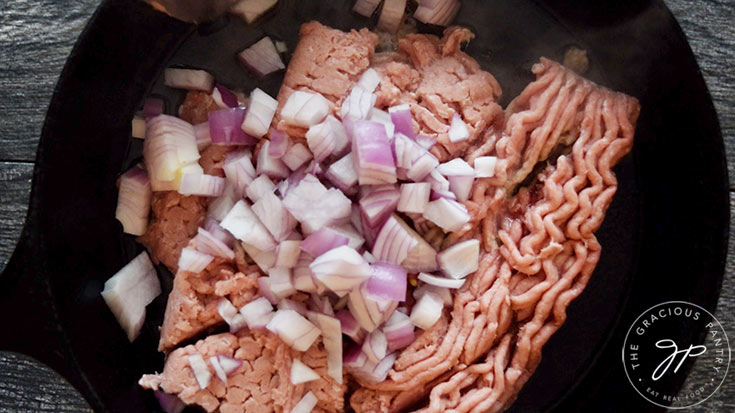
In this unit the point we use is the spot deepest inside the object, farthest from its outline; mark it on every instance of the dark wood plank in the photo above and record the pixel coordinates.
(15, 188)
(35, 38)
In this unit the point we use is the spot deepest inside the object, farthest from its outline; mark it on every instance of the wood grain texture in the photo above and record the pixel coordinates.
(35, 39)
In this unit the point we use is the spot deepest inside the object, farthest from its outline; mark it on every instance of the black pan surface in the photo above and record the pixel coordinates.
(664, 238)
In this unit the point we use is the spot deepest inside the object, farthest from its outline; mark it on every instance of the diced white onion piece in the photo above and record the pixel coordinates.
(366, 7)
(137, 127)
(439, 12)
(341, 269)
(134, 201)
(447, 214)
(128, 292)
(441, 281)
(244, 225)
(391, 15)
(255, 311)
(200, 370)
(250, 10)
(239, 170)
(397, 243)
(460, 259)
(193, 260)
(262, 57)
(375, 346)
(458, 130)
(302, 277)
(260, 113)
(219, 207)
(314, 206)
(202, 185)
(399, 331)
(305, 109)
(214, 362)
(444, 293)
(170, 145)
(357, 104)
(296, 156)
(342, 173)
(414, 197)
(280, 282)
(332, 338)
(349, 326)
(189, 79)
(294, 329)
(270, 211)
(265, 260)
(301, 373)
(427, 311)
(268, 165)
(355, 240)
(306, 404)
(226, 310)
(485, 166)
(259, 187)
(287, 253)
(372, 153)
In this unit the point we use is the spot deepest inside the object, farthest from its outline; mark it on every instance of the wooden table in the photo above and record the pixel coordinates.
(35, 39)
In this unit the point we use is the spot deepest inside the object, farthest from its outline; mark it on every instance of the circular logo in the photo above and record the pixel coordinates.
(667, 341)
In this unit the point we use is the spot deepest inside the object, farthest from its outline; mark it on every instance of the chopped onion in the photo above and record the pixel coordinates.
(398, 244)
(414, 197)
(302, 277)
(280, 282)
(237, 323)
(259, 187)
(225, 127)
(375, 346)
(447, 214)
(322, 241)
(305, 109)
(287, 253)
(391, 15)
(366, 7)
(458, 130)
(244, 225)
(188, 79)
(256, 311)
(460, 259)
(357, 104)
(224, 98)
(226, 310)
(399, 331)
(296, 156)
(341, 269)
(306, 404)
(301, 373)
(200, 370)
(202, 185)
(264, 259)
(332, 338)
(373, 157)
(401, 117)
(170, 146)
(214, 362)
(381, 116)
(229, 364)
(134, 201)
(314, 206)
(369, 257)
(168, 402)
(274, 216)
(152, 107)
(342, 173)
(372, 372)
(427, 311)
(218, 232)
(355, 240)
(321, 140)
(439, 12)
(260, 113)
(193, 260)
(426, 142)
(137, 127)
(202, 135)
(219, 207)
(294, 329)
(388, 281)
(268, 165)
(460, 175)
(370, 311)
(129, 291)
(379, 203)
(281, 46)
(417, 161)
(349, 326)
(209, 244)
(369, 80)
(262, 57)
(279, 143)
(287, 304)
(239, 170)
(444, 293)
(437, 181)
(250, 10)
(485, 166)
(440, 281)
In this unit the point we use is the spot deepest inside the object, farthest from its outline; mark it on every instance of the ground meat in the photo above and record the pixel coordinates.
(261, 384)
(196, 107)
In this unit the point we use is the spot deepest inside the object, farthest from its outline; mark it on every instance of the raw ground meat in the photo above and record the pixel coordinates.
(196, 107)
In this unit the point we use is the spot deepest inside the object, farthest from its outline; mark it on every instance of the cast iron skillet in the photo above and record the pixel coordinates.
(664, 237)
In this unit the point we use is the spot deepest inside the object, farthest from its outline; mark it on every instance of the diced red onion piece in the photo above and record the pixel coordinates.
(189, 79)
(134, 201)
(306, 404)
(399, 332)
(168, 402)
(375, 373)
(302, 277)
(229, 364)
(202, 185)
(250, 10)
(401, 117)
(259, 187)
(438, 182)
(414, 197)
(441, 281)
(458, 130)
(270, 211)
(369, 311)
(213, 227)
(244, 225)
(322, 241)
(268, 165)
(260, 113)
(444, 293)
(321, 140)
(237, 323)
(209, 244)
(305, 109)
(391, 15)
(366, 7)
(226, 310)
(375, 346)
(341, 303)
(349, 326)
(170, 147)
(357, 104)
(287, 253)
(438, 12)
(280, 282)
(214, 362)
(219, 207)
(287, 304)
(265, 260)
(296, 156)
(153, 106)
(225, 127)
(314, 206)
(355, 240)
(257, 310)
(485, 166)
(461, 186)
(332, 338)
(382, 117)
(200, 370)
(379, 204)
(427, 311)
(129, 291)
(203, 137)
(224, 97)
(369, 257)
(373, 157)
(342, 173)
(301, 373)
(239, 170)
(426, 142)
(193, 260)
(341, 269)
(264, 286)
(279, 143)
(261, 58)
(460, 259)
(447, 214)
(398, 244)
(460, 175)
(369, 80)
(294, 329)
(388, 281)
